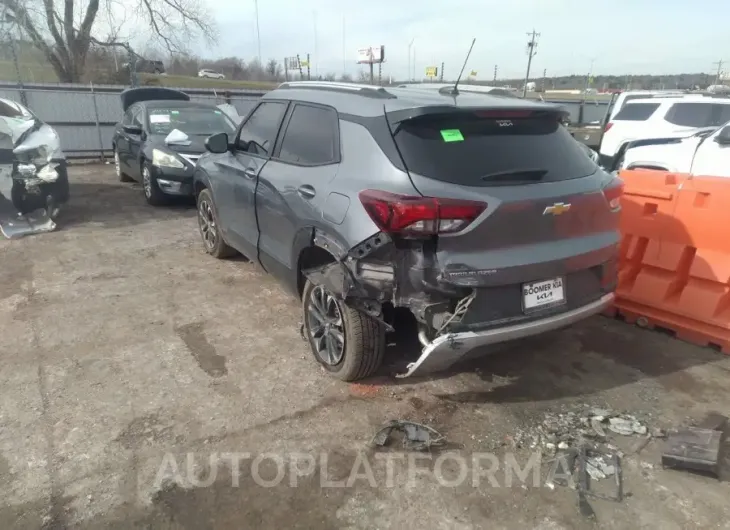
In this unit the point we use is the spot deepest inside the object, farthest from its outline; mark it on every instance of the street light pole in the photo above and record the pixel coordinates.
(409, 58)
(258, 32)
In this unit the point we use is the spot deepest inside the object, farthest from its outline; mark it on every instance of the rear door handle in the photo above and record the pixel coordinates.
(249, 172)
(307, 191)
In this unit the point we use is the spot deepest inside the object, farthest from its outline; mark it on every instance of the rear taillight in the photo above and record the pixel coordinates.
(406, 214)
(613, 193)
(608, 127)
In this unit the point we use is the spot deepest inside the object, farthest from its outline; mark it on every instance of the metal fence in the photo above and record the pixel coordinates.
(85, 115)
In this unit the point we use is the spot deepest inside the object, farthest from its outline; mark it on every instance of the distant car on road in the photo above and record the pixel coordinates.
(478, 214)
(160, 139)
(211, 74)
(147, 66)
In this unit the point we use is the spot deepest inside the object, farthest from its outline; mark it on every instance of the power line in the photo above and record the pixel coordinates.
(531, 52)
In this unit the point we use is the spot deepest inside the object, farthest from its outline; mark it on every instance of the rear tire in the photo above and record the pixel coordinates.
(363, 337)
(209, 227)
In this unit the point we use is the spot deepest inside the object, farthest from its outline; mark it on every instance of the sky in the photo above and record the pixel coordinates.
(617, 36)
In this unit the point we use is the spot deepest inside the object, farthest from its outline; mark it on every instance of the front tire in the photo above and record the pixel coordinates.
(347, 343)
(152, 193)
(209, 228)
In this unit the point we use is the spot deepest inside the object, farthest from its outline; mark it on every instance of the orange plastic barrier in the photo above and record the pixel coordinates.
(674, 265)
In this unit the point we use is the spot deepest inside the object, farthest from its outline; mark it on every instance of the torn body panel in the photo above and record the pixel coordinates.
(455, 310)
(33, 176)
(382, 270)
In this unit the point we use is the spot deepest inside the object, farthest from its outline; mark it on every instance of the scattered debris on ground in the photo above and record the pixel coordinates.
(559, 431)
(417, 437)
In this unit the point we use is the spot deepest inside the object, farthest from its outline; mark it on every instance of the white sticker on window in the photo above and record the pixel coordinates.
(159, 118)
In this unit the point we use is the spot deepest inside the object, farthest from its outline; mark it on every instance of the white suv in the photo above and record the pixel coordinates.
(662, 117)
(211, 74)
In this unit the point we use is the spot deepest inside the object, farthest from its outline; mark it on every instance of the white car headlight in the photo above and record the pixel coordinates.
(162, 159)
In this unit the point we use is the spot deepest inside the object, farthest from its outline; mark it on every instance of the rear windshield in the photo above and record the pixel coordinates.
(475, 151)
(636, 112)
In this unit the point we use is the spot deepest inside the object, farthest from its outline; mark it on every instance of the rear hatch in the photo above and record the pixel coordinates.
(546, 238)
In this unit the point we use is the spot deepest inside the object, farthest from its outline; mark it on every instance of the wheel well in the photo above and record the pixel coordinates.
(199, 186)
(311, 257)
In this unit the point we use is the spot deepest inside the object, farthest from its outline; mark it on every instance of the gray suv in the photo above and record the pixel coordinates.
(479, 214)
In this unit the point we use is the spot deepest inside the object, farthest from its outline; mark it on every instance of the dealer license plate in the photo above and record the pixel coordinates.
(543, 294)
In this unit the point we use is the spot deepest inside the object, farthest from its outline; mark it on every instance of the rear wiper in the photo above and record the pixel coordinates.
(527, 175)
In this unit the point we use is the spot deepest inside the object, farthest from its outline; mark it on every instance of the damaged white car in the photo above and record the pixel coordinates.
(33, 173)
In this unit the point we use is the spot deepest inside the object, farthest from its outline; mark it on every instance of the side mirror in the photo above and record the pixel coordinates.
(132, 129)
(217, 143)
(723, 137)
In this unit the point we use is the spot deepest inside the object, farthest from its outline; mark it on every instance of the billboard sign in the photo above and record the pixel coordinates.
(432, 71)
(371, 55)
(292, 63)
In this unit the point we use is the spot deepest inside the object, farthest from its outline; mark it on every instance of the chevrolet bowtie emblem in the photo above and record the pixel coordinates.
(557, 209)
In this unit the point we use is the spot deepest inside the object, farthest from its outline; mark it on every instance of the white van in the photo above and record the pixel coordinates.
(660, 117)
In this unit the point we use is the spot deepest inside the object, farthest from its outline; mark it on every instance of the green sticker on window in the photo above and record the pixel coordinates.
(217, 112)
(174, 112)
(452, 135)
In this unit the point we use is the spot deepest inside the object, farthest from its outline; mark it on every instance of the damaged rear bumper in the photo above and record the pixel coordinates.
(449, 348)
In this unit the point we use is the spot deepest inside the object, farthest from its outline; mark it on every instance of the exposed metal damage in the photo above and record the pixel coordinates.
(400, 272)
(33, 178)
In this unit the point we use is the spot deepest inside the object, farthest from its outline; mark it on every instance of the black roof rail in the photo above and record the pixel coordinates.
(352, 88)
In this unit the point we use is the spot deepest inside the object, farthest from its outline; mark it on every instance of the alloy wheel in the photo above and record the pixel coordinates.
(147, 182)
(326, 329)
(206, 222)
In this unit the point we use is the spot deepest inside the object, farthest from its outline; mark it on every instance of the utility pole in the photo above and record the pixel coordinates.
(531, 51)
(495, 73)
(544, 75)
(719, 71)
(344, 56)
(316, 55)
(441, 76)
(309, 66)
(258, 33)
(409, 58)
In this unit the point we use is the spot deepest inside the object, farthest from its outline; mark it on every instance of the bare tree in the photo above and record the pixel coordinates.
(272, 68)
(346, 78)
(330, 77)
(64, 31)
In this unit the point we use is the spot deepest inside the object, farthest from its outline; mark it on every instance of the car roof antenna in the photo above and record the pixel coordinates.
(455, 90)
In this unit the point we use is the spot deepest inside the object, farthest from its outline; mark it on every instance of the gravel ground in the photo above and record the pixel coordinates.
(138, 371)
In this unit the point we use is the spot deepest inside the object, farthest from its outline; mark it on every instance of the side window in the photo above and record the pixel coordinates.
(258, 134)
(127, 119)
(722, 115)
(137, 118)
(636, 111)
(690, 114)
(311, 137)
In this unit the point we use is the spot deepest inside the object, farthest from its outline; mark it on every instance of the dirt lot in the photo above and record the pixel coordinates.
(125, 349)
